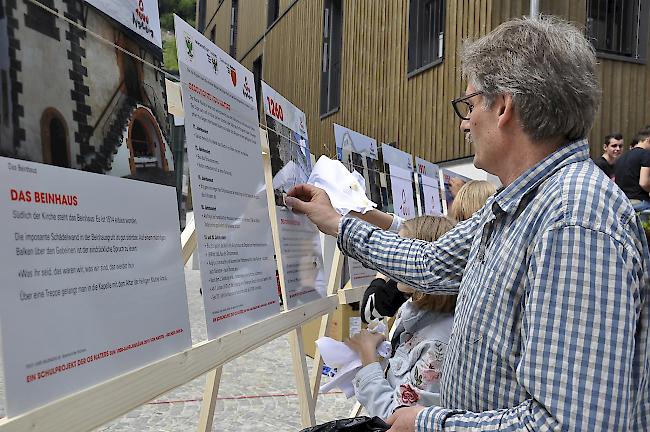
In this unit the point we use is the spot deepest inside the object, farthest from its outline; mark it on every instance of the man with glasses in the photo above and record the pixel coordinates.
(551, 324)
(613, 148)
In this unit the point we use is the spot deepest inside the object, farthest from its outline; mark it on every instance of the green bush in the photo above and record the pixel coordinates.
(170, 56)
(185, 9)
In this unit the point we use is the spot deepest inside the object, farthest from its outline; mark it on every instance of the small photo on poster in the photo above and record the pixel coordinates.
(290, 159)
(78, 102)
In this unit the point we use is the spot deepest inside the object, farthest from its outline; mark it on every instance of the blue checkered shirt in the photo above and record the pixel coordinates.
(551, 324)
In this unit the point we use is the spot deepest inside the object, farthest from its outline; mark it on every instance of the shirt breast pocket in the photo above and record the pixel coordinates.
(477, 307)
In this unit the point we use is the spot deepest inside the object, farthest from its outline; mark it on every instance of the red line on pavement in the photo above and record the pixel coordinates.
(234, 398)
(230, 398)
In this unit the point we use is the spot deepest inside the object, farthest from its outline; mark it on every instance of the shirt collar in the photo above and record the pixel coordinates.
(508, 199)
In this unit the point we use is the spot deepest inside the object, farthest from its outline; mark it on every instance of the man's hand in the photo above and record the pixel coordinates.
(403, 420)
(365, 344)
(316, 205)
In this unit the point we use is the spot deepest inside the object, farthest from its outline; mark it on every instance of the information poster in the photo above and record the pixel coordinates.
(299, 239)
(447, 176)
(233, 228)
(359, 152)
(398, 166)
(93, 281)
(429, 185)
(360, 276)
(401, 181)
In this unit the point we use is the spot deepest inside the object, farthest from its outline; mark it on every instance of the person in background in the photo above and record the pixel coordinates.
(632, 173)
(613, 148)
(419, 342)
(470, 198)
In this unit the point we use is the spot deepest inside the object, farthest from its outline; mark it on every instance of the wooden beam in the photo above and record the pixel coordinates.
(349, 295)
(305, 399)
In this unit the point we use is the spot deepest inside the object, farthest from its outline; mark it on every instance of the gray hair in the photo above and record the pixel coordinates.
(548, 67)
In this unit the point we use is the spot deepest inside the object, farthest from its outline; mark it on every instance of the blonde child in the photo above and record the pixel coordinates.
(419, 342)
(470, 198)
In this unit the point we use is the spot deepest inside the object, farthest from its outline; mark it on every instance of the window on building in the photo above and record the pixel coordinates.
(330, 86)
(201, 15)
(618, 27)
(42, 20)
(426, 34)
(213, 34)
(54, 139)
(272, 12)
(234, 17)
(257, 77)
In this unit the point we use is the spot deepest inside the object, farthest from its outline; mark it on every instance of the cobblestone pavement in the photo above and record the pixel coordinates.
(257, 391)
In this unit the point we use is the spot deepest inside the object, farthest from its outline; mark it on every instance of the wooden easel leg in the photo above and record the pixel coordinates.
(318, 360)
(356, 409)
(332, 288)
(213, 379)
(307, 405)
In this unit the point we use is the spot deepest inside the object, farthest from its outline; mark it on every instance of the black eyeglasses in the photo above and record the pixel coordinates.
(462, 107)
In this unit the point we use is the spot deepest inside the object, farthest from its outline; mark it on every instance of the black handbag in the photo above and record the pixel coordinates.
(355, 424)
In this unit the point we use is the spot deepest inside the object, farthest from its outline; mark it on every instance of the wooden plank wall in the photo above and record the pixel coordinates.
(625, 105)
(292, 59)
(211, 8)
(222, 22)
(251, 25)
(377, 98)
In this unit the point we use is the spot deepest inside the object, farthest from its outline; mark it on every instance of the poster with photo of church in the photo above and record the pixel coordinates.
(76, 100)
(359, 153)
(300, 256)
(288, 143)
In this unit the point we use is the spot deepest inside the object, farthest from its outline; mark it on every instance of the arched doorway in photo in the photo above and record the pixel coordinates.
(54, 139)
(146, 145)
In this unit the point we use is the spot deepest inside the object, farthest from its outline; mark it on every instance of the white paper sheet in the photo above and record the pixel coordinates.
(343, 188)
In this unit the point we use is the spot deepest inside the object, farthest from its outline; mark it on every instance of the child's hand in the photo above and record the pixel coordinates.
(365, 344)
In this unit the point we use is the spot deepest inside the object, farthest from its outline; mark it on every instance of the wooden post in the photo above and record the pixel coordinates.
(306, 401)
(206, 417)
(332, 287)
